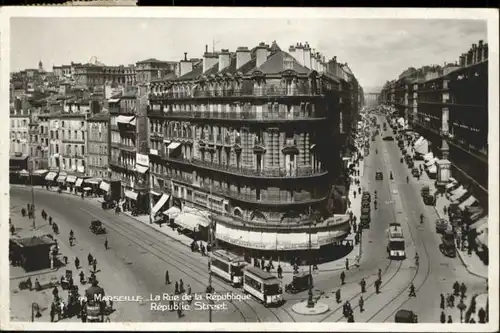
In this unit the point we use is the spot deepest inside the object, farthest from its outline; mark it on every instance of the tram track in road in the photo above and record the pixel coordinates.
(384, 272)
(394, 299)
(192, 270)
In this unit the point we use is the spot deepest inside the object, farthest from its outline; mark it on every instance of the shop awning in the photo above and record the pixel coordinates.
(24, 173)
(125, 119)
(470, 201)
(141, 168)
(104, 186)
(61, 178)
(173, 145)
(154, 193)
(93, 181)
(131, 195)
(51, 176)
(432, 169)
(418, 142)
(160, 203)
(422, 148)
(40, 172)
(113, 100)
(429, 156)
(479, 223)
(87, 188)
(71, 179)
(191, 221)
(451, 184)
(458, 195)
(79, 182)
(431, 162)
(172, 212)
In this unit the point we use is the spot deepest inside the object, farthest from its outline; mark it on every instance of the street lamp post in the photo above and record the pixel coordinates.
(310, 301)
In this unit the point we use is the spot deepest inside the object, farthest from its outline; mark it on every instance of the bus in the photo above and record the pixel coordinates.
(263, 286)
(396, 241)
(228, 266)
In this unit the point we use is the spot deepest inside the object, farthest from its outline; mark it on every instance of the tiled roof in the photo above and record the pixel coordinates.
(248, 66)
(153, 60)
(34, 241)
(274, 64)
(212, 70)
(195, 73)
(232, 65)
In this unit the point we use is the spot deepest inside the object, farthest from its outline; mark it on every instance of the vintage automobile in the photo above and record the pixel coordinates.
(415, 172)
(365, 211)
(447, 245)
(365, 221)
(441, 226)
(97, 228)
(425, 191)
(301, 281)
(366, 196)
(379, 175)
(405, 316)
(365, 204)
(429, 200)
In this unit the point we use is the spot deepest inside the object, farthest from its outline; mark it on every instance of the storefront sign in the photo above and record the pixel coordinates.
(142, 159)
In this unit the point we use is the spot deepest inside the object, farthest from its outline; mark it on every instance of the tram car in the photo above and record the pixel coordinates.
(263, 286)
(228, 266)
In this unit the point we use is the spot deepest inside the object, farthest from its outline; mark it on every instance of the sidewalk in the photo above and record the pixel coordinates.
(471, 262)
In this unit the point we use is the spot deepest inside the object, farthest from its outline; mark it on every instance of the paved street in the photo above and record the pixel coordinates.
(139, 255)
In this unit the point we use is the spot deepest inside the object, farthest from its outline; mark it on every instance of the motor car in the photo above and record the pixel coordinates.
(415, 172)
(379, 175)
(447, 245)
(96, 227)
(405, 316)
(388, 138)
(441, 225)
(365, 204)
(300, 282)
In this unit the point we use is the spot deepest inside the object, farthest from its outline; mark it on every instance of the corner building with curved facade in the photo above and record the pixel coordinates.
(247, 136)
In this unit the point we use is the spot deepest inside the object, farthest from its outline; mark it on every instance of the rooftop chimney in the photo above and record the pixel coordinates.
(299, 54)
(186, 66)
(307, 55)
(261, 54)
(242, 56)
(314, 62)
(209, 59)
(224, 60)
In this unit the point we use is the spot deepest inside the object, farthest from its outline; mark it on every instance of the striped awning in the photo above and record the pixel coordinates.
(104, 186)
(93, 181)
(71, 179)
(62, 177)
(79, 182)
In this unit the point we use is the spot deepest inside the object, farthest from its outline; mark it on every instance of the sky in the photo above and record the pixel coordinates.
(376, 50)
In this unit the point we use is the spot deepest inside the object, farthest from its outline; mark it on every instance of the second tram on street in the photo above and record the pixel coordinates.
(396, 241)
(263, 286)
(228, 266)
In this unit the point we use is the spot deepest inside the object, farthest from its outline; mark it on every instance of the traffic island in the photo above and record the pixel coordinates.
(301, 308)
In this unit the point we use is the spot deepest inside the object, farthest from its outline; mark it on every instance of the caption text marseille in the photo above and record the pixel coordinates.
(184, 301)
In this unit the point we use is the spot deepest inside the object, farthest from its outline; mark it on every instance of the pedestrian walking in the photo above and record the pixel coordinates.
(52, 313)
(482, 315)
(94, 265)
(50, 220)
(444, 209)
(463, 290)
(82, 277)
(176, 287)
(380, 274)
(361, 303)
(271, 263)
(55, 292)
(363, 285)
(77, 263)
(354, 194)
(337, 295)
(167, 277)
(342, 277)
(350, 318)
(452, 301)
(443, 317)
(280, 272)
(456, 288)
(377, 286)
(347, 264)
(412, 291)
(12, 229)
(357, 261)
(449, 320)
(441, 303)
(181, 286)
(179, 310)
(106, 243)
(90, 259)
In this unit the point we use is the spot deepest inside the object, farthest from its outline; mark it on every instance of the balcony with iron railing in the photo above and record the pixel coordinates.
(121, 164)
(244, 92)
(281, 116)
(304, 172)
(268, 200)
